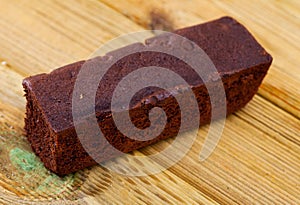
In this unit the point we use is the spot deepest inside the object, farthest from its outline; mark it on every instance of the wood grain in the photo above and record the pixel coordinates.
(257, 160)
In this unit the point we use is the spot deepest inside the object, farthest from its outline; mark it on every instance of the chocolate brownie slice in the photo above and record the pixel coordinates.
(239, 59)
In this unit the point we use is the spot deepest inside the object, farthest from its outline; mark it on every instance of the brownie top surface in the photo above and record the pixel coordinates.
(228, 44)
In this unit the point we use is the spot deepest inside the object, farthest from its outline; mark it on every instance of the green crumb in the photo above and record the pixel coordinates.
(25, 160)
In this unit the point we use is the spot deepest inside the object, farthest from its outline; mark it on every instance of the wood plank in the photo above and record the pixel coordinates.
(257, 159)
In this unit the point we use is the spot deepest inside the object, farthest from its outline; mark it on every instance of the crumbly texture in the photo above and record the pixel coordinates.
(240, 61)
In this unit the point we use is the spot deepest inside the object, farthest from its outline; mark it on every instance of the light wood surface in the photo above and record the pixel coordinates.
(257, 160)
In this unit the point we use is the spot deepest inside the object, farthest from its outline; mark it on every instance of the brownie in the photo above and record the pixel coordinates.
(239, 59)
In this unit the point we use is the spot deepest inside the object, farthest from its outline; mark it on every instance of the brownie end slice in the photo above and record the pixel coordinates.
(38, 131)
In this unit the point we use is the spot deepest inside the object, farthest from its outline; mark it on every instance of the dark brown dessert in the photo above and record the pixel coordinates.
(240, 61)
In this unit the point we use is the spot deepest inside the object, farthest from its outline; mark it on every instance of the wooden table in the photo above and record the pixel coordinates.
(257, 160)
